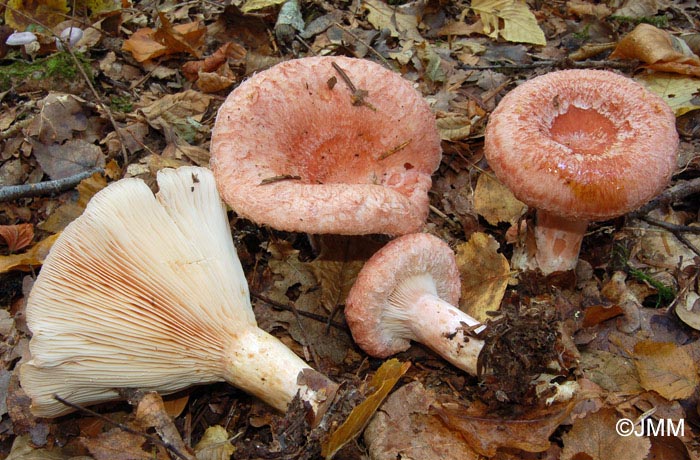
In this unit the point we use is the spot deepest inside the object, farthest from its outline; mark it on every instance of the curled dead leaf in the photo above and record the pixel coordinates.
(18, 236)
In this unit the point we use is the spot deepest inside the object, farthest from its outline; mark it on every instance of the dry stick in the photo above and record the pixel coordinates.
(314, 316)
(679, 191)
(14, 192)
(676, 230)
(369, 47)
(123, 427)
(561, 63)
(77, 64)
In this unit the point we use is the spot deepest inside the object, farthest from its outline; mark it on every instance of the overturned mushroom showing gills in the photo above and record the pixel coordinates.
(407, 291)
(147, 292)
(327, 145)
(580, 146)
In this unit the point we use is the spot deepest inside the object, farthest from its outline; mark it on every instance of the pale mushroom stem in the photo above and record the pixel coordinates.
(260, 364)
(558, 242)
(422, 316)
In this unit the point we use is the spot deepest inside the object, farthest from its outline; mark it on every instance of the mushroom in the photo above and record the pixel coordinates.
(580, 146)
(407, 291)
(327, 145)
(20, 39)
(148, 292)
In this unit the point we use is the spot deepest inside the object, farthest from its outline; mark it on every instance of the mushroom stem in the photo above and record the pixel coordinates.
(260, 364)
(558, 242)
(421, 315)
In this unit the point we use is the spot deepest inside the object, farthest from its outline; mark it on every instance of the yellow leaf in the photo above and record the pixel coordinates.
(383, 381)
(484, 272)
(519, 24)
(214, 445)
(30, 259)
(679, 91)
(20, 14)
(495, 202)
(255, 5)
(666, 368)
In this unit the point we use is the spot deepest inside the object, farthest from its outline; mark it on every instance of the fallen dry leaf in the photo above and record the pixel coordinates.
(495, 202)
(405, 428)
(214, 445)
(30, 259)
(679, 91)
(610, 371)
(688, 309)
(61, 114)
(659, 50)
(666, 368)
(486, 432)
(226, 51)
(594, 438)
(117, 444)
(511, 19)
(484, 272)
(20, 14)
(151, 413)
(146, 44)
(401, 23)
(381, 384)
(582, 8)
(72, 157)
(17, 237)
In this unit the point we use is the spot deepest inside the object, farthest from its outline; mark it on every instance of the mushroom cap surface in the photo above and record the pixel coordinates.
(297, 119)
(582, 144)
(402, 258)
(140, 291)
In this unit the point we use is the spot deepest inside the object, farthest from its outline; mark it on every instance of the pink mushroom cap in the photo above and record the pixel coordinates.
(369, 304)
(345, 168)
(585, 145)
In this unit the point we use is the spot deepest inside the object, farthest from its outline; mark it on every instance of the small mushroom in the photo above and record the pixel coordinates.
(407, 291)
(70, 36)
(147, 292)
(327, 145)
(580, 146)
(20, 39)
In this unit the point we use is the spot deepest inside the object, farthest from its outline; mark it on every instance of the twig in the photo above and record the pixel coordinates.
(369, 47)
(394, 149)
(14, 192)
(560, 63)
(358, 95)
(679, 191)
(676, 230)
(314, 316)
(123, 427)
(273, 179)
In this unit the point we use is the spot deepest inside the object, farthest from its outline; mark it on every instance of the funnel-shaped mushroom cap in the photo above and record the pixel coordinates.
(582, 144)
(349, 168)
(145, 291)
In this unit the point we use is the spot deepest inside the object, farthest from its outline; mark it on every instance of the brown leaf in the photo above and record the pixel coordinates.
(594, 437)
(30, 259)
(485, 273)
(666, 368)
(659, 49)
(72, 157)
(405, 428)
(117, 444)
(61, 115)
(151, 413)
(612, 372)
(486, 432)
(17, 236)
(185, 39)
(225, 52)
(146, 44)
(382, 382)
(19, 14)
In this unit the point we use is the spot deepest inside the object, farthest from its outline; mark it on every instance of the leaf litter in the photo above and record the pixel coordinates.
(618, 339)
